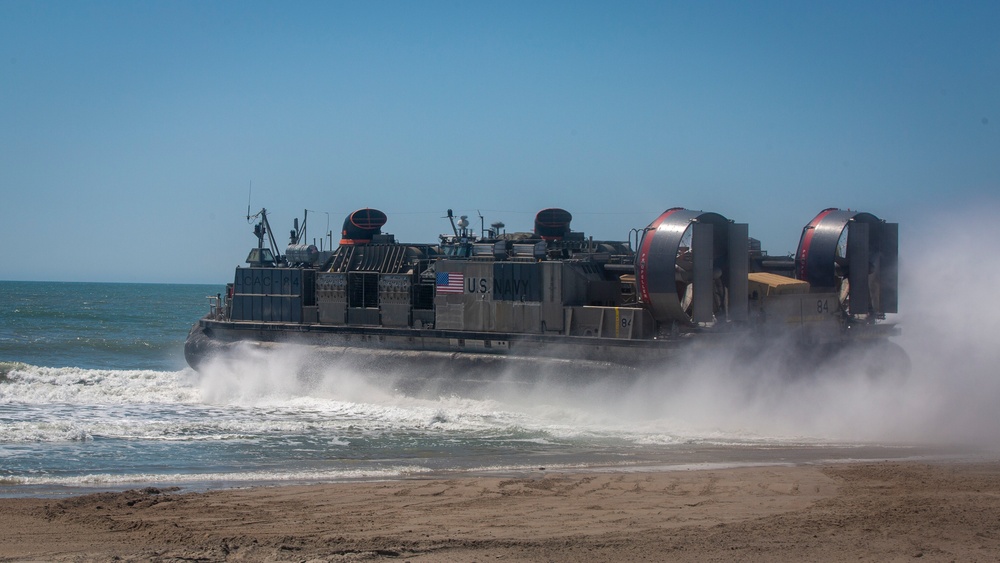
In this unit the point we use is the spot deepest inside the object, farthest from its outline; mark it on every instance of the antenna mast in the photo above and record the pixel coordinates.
(249, 193)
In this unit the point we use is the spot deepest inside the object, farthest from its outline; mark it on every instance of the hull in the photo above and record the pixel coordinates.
(393, 348)
(415, 361)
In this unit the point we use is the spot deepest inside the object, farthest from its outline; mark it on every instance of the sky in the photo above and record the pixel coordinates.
(134, 134)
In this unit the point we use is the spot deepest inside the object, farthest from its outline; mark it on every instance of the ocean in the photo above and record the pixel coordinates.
(95, 395)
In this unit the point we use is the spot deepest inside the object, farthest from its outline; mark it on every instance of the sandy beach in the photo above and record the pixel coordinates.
(843, 512)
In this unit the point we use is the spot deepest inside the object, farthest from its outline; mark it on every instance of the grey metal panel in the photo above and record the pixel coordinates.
(585, 321)
(616, 322)
(271, 281)
(276, 277)
(295, 304)
(857, 255)
(701, 249)
(287, 282)
(395, 298)
(643, 324)
(889, 268)
(449, 312)
(552, 296)
(270, 309)
(256, 283)
(397, 314)
(603, 292)
(423, 318)
(241, 273)
(281, 282)
(488, 312)
(503, 316)
(624, 322)
(477, 314)
(362, 316)
(247, 308)
(551, 283)
(310, 314)
(394, 289)
(524, 320)
(258, 308)
(236, 307)
(249, 280)
(573, 286)
(514, 281)
(532, 315)
(280, 309)
(739, 270)
(308, 290)
(262, 281)
(331, 297)
(332, 313)
(517, 316)
(236, 312)
(479, 279)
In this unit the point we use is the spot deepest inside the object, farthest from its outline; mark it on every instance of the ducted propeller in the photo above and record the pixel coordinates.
(855, 254)
(691, 267)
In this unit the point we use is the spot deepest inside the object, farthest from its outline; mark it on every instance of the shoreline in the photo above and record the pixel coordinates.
(943, 510)
(697, 457)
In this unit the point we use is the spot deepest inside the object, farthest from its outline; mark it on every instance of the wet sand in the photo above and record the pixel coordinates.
(842, 512)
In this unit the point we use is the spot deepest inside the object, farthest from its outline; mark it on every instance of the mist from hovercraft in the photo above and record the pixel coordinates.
(949, 396)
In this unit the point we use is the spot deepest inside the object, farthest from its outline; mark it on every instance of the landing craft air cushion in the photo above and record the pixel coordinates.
(475, 305)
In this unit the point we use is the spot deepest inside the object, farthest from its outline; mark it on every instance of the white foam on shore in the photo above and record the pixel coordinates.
(28, 384)
(272, 380)
(240, 477)
(264, 397)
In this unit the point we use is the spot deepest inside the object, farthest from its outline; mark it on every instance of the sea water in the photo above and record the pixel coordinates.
(95, 394)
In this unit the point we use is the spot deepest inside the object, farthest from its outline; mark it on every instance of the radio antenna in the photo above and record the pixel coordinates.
(249, 193)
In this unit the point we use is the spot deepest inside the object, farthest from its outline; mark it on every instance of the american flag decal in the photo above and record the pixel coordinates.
(450, 282)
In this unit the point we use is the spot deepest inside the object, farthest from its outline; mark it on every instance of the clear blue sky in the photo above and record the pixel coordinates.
(130, 131)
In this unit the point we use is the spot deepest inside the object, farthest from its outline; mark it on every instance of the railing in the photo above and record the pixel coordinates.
(216, 306)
